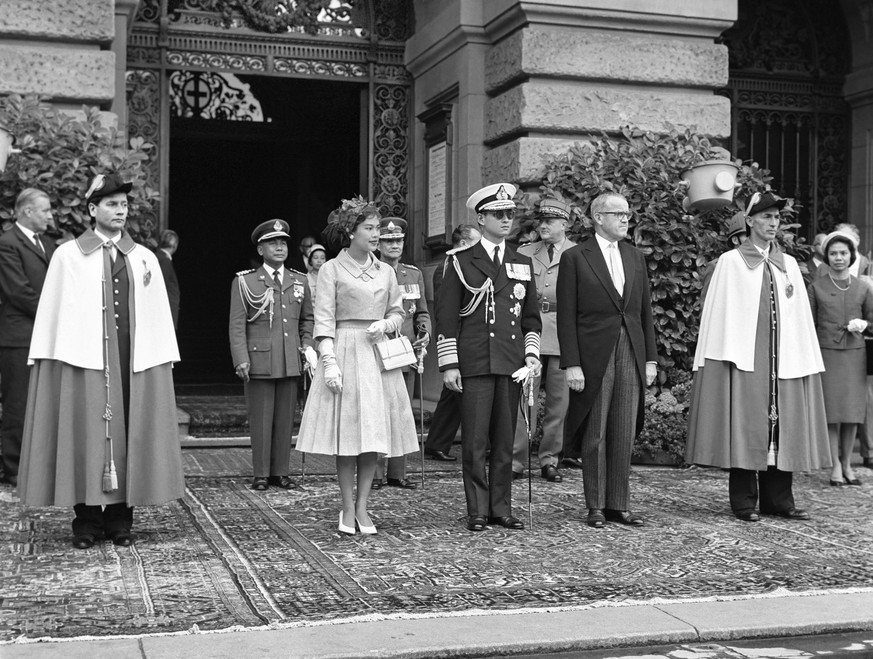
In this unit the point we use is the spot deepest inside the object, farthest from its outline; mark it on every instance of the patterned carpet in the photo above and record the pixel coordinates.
(227, 556)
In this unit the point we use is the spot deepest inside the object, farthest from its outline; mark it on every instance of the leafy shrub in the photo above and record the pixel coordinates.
(60, 153)
(646, 168)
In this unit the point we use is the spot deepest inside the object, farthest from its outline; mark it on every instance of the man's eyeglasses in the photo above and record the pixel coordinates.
(509, 214)
(622, 214)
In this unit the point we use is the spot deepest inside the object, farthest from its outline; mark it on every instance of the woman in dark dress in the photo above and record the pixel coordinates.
(842, 309)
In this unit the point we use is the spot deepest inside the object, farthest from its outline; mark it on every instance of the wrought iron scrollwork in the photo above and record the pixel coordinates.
(391, 159)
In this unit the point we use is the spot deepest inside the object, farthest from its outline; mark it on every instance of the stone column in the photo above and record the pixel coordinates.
(125, 12)
(859, 95)
(561, 71)
(58, 49)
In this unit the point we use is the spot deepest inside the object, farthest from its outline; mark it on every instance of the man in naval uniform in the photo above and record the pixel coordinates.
(488, 325)
(270, 330)
(554, 217)
(416, 328)
(100, 429)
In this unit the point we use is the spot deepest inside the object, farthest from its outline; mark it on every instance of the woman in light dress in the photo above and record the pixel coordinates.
(842, 308)
(356, 411)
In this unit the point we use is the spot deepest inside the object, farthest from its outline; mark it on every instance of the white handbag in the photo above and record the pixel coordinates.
(395, 353)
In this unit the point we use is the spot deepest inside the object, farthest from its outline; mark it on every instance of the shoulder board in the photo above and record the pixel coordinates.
(296, 272)
(456, 250)
(411, 267)
(244, 272)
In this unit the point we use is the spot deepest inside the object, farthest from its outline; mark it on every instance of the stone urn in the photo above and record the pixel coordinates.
(710, 185)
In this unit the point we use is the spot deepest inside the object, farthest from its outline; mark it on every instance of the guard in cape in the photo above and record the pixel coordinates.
(757, 406)
(416, 327)
(100, 429)
(271, 342)
(488, 341)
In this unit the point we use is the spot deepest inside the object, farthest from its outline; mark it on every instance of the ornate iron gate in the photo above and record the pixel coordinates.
(788, 59)
(360, 41)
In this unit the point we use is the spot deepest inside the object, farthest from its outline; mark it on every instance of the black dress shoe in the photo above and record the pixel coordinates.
(517, 475)
(572, 463)
(122, 539)
(83, 541)
(9, 479)
(623, 517)
(551, 474)
(595, 518)
(260, 483)
(405, 483)
(442, 456)
(851, 481)
(507, 522)
(868, 462)
(476, 523)
(748, 516)
(836, 483)
(284, 482)
(377, 484)
(794, 513)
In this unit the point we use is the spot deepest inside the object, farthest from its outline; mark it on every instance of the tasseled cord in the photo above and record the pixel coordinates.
(110, 476)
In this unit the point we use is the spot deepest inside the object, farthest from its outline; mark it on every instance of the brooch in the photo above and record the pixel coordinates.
(147, 275)
(789, 290)
(516, 309)
(518, 291)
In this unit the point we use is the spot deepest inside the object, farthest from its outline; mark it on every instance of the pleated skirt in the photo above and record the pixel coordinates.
(372, 413)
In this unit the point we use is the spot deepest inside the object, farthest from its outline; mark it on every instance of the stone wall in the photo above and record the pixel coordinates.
(60, 49)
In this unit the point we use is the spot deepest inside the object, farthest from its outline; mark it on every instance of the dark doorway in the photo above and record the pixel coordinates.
(227, 176)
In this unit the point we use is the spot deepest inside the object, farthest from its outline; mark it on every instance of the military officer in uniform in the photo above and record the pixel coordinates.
(416, 327)
(270, 334)
(554, 218)
(488, 325)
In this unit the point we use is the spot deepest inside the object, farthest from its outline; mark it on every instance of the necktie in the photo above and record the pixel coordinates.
(276, 280)
(112, 250)
(615, 267)
(551, 252)
(38, 243)
(497, 256)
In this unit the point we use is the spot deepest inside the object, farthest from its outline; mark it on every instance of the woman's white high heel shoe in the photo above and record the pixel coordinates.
(366, 530)
(348, 530)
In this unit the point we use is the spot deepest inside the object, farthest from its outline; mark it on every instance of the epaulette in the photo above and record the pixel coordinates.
(458, 249)
(296, 272)
(411, 267)
(244, 272)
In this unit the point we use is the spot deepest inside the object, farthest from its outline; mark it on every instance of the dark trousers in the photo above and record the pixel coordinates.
(97, 520)
(489, 410)
(271, 404)
(445, 422)
(608, 436)
(14, 376)
(773, 486)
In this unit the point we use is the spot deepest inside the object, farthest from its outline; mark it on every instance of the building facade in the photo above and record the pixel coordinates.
(280, 109)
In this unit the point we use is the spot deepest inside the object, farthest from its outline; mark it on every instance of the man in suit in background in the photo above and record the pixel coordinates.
(166, 249)
(489, 329)
(24, 258)
(607, 341)
(553, 217)
(446, 418)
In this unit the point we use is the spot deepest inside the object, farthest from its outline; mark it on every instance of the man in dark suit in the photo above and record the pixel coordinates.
(446, 418)
(488, 325)
(607, 342)
(270, 325)
(166, 249)
(24, 257)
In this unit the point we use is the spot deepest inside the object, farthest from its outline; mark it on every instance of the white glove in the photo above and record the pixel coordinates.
(333, 377)
(377, 329)
(311, 359)
(857, 325)
(422, 353)
(521, 374)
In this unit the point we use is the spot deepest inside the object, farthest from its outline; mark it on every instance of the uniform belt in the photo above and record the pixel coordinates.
(548, 307)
